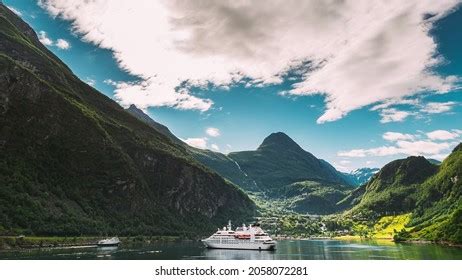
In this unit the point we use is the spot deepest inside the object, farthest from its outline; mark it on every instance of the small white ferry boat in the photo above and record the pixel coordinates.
(110, 242)
(243, 238)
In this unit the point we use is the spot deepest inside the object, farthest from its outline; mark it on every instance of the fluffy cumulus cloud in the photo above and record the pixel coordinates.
(394, 136)
(60, 43)
(355, 52)
(435, 144)
(213, 132)
(418, 109)
(393, 115)
(90, 81)
(443, 135)
(63, 44)
(340, 167)
(44, 39)
(438, 107)
(200, 143)
(426, 148)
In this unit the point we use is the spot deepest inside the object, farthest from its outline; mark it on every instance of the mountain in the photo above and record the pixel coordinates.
(360, 176)
(438, 213)
(431, 193)
(225, 166)
(393, 189)
(73, 162)
(215, 161)
(273, 146)
(311, 197)
(318, 196)
(279, 161)
(139, 114)
(352, 198)
(426, 188)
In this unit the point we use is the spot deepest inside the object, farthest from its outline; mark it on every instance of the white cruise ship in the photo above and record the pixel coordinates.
(243, 238)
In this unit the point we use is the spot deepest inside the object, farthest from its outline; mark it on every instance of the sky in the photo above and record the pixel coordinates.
(357, 83)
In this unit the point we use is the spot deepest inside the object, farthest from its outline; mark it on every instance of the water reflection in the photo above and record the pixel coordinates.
(286, 250)
(106, 252)
(217, 254)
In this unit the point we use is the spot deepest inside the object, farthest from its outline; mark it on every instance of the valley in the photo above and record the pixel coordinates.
(74, 163)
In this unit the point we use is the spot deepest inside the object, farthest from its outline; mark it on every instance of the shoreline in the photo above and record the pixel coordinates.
(38, 242)
(441, 243)
(49, 242)
(409, 241)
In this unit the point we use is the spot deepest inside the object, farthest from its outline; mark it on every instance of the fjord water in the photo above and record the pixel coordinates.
(287, 250)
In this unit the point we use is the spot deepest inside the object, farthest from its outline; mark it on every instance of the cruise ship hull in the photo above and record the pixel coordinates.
(241, 246)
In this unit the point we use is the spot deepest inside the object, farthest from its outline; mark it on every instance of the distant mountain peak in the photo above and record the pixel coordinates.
(133, 107)
(141, 115)
(363, 169)
(360, 176)
(411, 170)
(279, 140)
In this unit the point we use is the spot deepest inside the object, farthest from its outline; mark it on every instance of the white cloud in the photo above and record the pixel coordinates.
(439, 157)
(395, 136)
(141, 94)
(361, 52)
(422, 147)
(341, 167)
(63, 44)
(402, 148)
(14, 10)
(406, 144)
(213, 132)
(200, 143)
(43, 38)
(90, 81)
(380, 151)
(215, 147)
(418, 110)
(388, 103)
(442, 135)
(393, 115)
(47, 41)
(438, 107)
(110, 82)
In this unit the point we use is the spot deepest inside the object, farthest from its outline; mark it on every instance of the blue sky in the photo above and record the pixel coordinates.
(245, 110)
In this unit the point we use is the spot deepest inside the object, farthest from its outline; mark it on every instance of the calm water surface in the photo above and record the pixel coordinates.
(287, 250)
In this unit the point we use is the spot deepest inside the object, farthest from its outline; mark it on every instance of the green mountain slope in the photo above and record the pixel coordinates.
(278, 155)
(311, 197)
(72, 161)
(393, 189)
(218, 162)
(429, 194)
(438, 215)
(225, 166)
(279, 161)
(139, 114)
